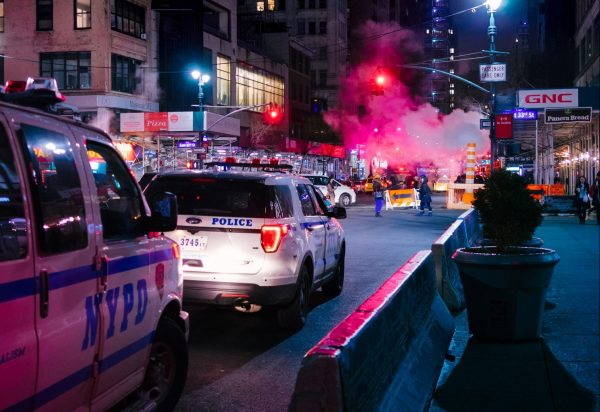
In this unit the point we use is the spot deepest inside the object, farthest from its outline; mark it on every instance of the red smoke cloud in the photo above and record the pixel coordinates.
(409, 132)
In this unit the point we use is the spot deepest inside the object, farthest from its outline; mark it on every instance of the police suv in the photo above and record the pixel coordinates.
(253, 239)
(90, 292)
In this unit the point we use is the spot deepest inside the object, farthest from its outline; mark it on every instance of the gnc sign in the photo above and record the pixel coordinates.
(548, 98)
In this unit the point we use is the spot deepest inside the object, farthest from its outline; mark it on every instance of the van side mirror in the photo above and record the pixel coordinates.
(164, 212)
(338, 212)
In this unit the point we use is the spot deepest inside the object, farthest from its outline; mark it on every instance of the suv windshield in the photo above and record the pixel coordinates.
(234, 198)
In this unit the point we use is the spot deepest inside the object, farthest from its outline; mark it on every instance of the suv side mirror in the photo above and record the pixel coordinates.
(338, 212)
(164, 212)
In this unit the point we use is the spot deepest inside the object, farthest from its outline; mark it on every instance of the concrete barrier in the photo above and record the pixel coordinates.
(447, 275)
(387, 355)
(473, 228)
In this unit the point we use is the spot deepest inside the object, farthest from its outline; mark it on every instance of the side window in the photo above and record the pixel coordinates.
(13, 235)
(280, 203)
(308, 208)
(57, 189)
(118, 196)
(317, 198)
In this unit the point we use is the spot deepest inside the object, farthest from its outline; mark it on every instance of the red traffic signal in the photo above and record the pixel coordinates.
(273, 114)
(377, 84)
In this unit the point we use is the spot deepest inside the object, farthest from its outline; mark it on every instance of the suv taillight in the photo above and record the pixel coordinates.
(271, 235)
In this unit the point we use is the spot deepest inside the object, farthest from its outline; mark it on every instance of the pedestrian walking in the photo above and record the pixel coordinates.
(582, 198)
(378, 195)
(425, 196)
(331, 190)
(595, 195)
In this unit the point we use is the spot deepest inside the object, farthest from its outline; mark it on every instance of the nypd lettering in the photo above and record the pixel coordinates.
(231, 221)
(130, 313)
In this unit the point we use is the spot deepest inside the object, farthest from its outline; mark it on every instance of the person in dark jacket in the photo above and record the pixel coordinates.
(582, 198)
(425, 196)
(595, 194)
(378, 195)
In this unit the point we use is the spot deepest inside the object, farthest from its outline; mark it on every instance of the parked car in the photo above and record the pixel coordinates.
(90, 292)
(344, 195)
(254, 239)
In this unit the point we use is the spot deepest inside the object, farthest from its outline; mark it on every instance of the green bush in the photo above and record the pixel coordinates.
(508, 212)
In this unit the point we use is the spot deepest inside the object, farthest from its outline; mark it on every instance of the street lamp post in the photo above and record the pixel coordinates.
(492, 6)
(202, 79)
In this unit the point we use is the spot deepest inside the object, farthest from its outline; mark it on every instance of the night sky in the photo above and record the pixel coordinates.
(471, 28)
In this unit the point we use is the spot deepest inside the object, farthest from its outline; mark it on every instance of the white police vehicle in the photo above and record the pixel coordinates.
(90, 293)
(253, 239)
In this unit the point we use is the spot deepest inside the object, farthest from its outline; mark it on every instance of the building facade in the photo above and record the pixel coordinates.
(100, 52)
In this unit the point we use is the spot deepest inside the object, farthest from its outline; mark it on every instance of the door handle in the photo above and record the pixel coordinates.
(44, 302)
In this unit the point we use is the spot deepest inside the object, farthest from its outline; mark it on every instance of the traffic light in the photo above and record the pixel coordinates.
(273, 114)
(377, 84)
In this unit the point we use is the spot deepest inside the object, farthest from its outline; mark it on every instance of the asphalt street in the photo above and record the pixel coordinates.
(243, 362)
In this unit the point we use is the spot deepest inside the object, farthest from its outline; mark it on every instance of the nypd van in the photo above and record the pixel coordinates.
(254, 239)
(90, 290)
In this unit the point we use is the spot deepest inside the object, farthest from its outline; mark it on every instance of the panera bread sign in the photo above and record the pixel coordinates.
(570, 115)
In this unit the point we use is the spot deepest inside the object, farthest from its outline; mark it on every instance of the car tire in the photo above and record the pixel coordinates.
(293, 316)
(335, 285)
(345, 200)
(167, 366)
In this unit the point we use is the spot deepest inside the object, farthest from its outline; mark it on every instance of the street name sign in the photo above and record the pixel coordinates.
(525, 115)
(569, 115)
(485, 124)
(495, 72)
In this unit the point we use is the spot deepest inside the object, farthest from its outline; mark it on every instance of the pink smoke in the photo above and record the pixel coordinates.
(397, 126)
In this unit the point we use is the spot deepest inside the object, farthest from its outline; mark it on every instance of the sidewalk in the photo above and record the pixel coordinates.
(560, 372)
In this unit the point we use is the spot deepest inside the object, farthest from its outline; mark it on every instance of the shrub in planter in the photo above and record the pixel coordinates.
(508, 212)
(505, 285)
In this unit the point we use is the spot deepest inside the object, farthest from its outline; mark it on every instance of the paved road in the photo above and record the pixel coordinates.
(243, 362)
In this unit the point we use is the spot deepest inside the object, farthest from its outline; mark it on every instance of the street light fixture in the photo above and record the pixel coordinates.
(202, 79)
(492, 6)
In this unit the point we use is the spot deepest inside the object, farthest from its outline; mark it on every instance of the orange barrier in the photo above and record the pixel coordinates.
(537, 191)
(401, 198)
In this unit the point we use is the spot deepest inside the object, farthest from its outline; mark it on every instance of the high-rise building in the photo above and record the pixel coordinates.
(587, 41)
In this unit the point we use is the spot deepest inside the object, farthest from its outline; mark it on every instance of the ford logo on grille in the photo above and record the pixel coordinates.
(193, 220)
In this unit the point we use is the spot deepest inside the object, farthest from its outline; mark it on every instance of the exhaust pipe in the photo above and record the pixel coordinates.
(244, 306)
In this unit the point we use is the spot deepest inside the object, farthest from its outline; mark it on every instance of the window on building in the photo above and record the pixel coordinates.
(323, 53)
(217, 20)
(322, 77)
(312, 27)
(123, 74)
(256, 86)
(1, 16)
(313, 77)
(281, 5)
(128, 18)
(311, 4)
(43, 9)
(83, 14)
(223, 80)
(301, 27)
(71, 69)
(323, 4)
(300, 4)
(323, 27)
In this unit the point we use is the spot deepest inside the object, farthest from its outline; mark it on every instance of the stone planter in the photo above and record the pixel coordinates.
(533, 242)
(505, 293)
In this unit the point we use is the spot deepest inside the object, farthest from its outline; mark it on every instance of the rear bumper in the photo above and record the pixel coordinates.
(227, 294)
